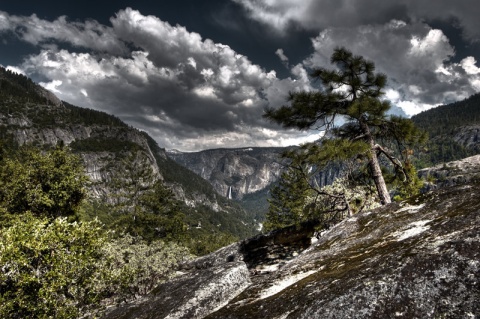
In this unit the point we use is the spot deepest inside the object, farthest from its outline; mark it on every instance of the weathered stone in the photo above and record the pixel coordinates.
(415, 259)
(410, 260)
(190, 297)
(451, 173)
(468, 137)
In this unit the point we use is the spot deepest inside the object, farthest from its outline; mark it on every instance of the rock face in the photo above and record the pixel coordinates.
(469, 137)
(27, 125)
(415, 259)
(234, 172)
(106, 145)
(452, 173)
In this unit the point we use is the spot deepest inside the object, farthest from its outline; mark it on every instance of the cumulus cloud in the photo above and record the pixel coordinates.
(282, 57)
(189, 93)
(415, 57)
(395, 35)
(89, 34)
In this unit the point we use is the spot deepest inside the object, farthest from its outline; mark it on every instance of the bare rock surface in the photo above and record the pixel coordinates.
(193, 296)
(415, 259)
(468, 136)
(452, 173)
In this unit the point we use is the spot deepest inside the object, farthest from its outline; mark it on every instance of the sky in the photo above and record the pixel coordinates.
(199, 74)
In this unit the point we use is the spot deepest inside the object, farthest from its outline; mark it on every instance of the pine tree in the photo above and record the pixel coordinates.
(352, 92)
(288, 198)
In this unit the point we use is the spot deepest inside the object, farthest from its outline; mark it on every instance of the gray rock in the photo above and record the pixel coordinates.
(415, 259)
(468, 137)
(451, 173)
(193, 296)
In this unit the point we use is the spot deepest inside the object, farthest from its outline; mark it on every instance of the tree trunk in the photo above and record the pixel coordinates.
(375, 167)
(378, 177)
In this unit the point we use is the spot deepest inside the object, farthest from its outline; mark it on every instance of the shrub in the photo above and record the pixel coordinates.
(48, 269)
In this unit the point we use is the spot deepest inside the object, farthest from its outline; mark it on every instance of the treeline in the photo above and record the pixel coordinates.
(17, 85)
(87, 116)
(445, 119)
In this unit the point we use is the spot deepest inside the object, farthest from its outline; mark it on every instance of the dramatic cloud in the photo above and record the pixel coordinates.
(414, 56)
(320, 14)
(89, 34)
(192, 93)
(395, 35)
(187, 92)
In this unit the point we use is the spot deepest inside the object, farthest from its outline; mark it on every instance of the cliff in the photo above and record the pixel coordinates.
(234, 172)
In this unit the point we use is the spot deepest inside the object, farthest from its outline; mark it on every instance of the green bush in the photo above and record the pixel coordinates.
(49, 269)
(49, 184)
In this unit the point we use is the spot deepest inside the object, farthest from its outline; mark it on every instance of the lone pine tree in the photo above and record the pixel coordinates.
(352, 92)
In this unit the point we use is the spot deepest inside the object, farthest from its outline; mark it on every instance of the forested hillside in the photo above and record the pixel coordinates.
(453, 129)
(30, 115)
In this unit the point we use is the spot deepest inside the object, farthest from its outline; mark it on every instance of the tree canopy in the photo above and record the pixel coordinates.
(50, 184)
(351, 94)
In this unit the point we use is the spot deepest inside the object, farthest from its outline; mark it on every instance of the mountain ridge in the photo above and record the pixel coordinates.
(31, 115)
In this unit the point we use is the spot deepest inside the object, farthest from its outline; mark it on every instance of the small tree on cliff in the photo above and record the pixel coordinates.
(352, 91)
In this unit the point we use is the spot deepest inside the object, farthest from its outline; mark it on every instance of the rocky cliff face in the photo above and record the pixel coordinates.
(452, 173)
(415, 259)
(234, 172)
(105, 144)
(469, 137)
(26, 125)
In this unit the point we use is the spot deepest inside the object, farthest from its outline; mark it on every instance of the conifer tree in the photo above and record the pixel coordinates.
(351, 92)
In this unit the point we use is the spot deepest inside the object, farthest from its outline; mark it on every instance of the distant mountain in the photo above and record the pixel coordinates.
(244, 174)
(453, 129)
(235, 172)
(29, 114)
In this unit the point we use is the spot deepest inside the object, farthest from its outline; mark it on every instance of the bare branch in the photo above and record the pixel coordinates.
(395, 161)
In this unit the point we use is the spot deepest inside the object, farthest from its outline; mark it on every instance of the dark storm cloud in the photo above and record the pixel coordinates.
(193, 93)
(182, 89)
(397, 36)
(88, 34)
(415, 57)
(322, 14)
